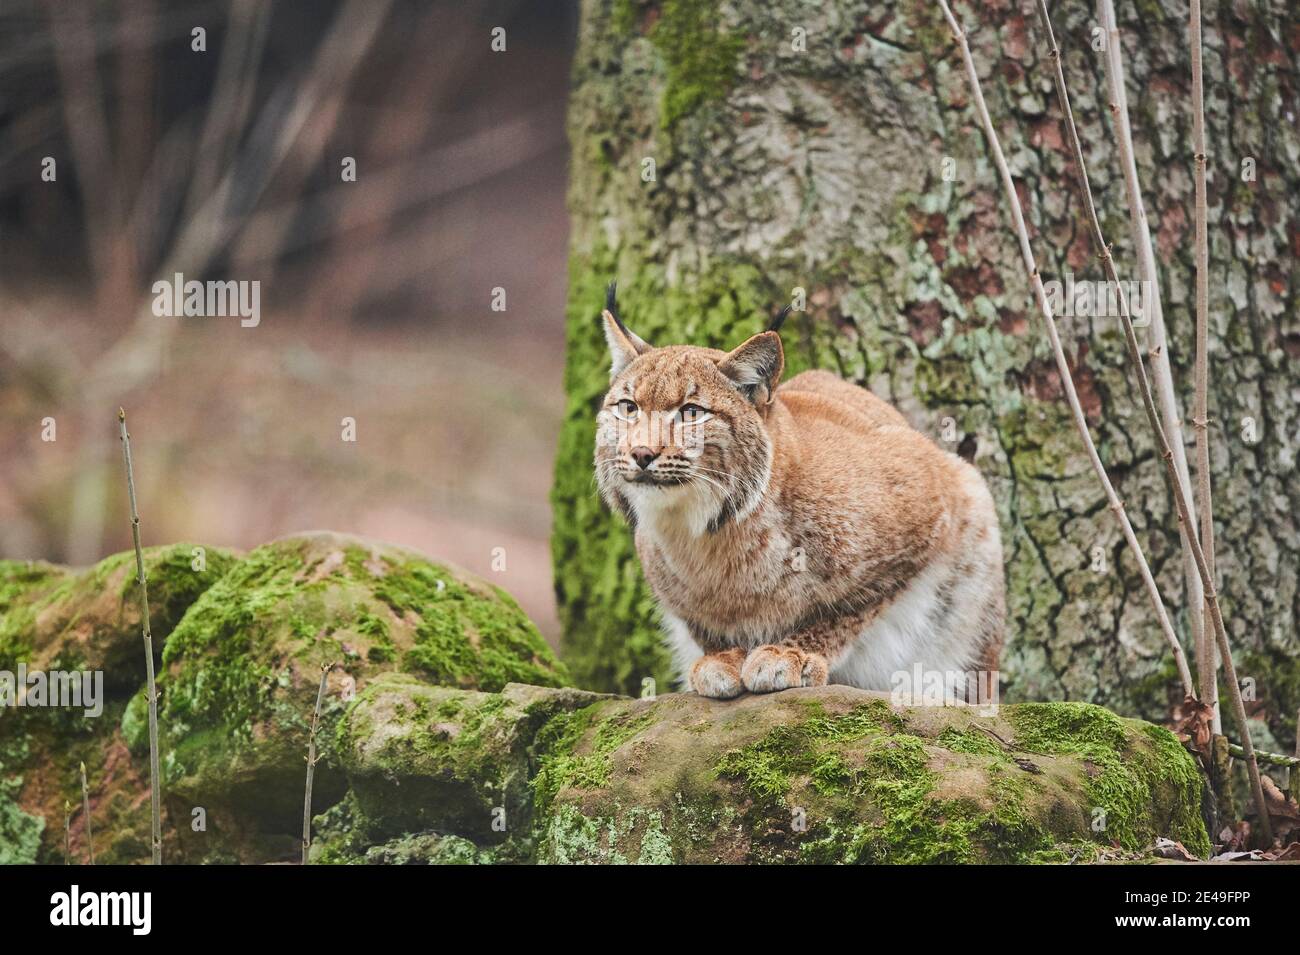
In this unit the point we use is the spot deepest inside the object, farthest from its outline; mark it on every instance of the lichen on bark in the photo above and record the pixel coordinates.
(826, 170)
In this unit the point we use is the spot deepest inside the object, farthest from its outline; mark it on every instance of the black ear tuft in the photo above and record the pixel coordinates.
(611, 306)
(611, 303)
(780, 319)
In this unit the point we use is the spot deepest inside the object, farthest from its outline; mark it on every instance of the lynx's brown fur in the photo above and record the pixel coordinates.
(795, 533)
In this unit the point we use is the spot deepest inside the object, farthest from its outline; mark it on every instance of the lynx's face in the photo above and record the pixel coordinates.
(681, 431)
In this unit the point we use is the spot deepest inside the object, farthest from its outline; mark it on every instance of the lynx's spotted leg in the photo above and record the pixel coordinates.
(717, 675)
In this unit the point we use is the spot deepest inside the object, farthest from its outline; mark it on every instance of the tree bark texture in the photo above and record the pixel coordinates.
(718, 167)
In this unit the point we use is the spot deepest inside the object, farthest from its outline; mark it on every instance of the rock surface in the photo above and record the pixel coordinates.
(56, 618)
(448, 736)
(241, 644)
(243, 665)
(832, 774)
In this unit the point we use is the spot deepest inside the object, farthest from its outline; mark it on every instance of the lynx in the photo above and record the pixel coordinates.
(794, 533)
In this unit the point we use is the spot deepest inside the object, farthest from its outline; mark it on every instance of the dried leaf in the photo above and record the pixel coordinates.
(1236, 838)
(1194, 726)
(1280, 805)
(1169, 849)
(1252, 856)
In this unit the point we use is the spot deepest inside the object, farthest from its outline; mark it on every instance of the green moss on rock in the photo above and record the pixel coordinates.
(241, 670)
(22, 585)
(20, 832)
(424, 758)
(576, 747)
(1133, 768)
(54, 618)
(480, 771)
(838, 775)
(50, 617)
(340, 839)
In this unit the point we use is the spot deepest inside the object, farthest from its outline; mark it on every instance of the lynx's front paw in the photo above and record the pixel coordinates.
(770, 668)
(717, 675)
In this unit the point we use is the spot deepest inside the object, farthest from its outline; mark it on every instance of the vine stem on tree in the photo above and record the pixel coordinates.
(312, 759)
(1158, 350)
(151, 689)
(1153, 416)
(1063, 366)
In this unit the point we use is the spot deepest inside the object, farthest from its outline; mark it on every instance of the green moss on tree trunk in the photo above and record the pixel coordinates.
(825, 170)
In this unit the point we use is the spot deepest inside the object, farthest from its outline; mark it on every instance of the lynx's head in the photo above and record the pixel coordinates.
(681, 433)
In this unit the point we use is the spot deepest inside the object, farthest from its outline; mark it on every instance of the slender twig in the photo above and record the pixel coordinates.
(312, 759)
(1153, 417)
(1200, 378)
(1273, 759)
(150, 688)
(1158, 350)
(85, 812)
(1295, 770)
(1063, 366)
(67, 832)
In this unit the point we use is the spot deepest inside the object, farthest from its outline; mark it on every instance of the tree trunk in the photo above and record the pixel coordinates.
(718, 168)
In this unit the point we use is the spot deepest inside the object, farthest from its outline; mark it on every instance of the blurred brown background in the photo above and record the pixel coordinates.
(376, 295)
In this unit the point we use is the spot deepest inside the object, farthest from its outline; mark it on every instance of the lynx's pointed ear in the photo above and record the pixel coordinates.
(755, 367)
(623, 345)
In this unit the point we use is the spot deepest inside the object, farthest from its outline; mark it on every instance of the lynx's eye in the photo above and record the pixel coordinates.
(626, 409)
(692, 414)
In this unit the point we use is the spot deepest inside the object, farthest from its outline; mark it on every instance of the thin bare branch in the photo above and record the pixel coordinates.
(1063, 366)
(1273, 759)
(151, 690)
(1158, 350)
(1153, 416)
(312, 759)
(1200, 376)
(85, 812)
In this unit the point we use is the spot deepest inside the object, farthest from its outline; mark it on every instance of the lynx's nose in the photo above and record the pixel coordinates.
(643, 456)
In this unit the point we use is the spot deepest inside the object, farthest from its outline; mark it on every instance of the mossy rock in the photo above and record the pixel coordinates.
(831, 774)
(419, 757)
(54, 618)
(241, 672)
(839, 775)
(433, 750)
